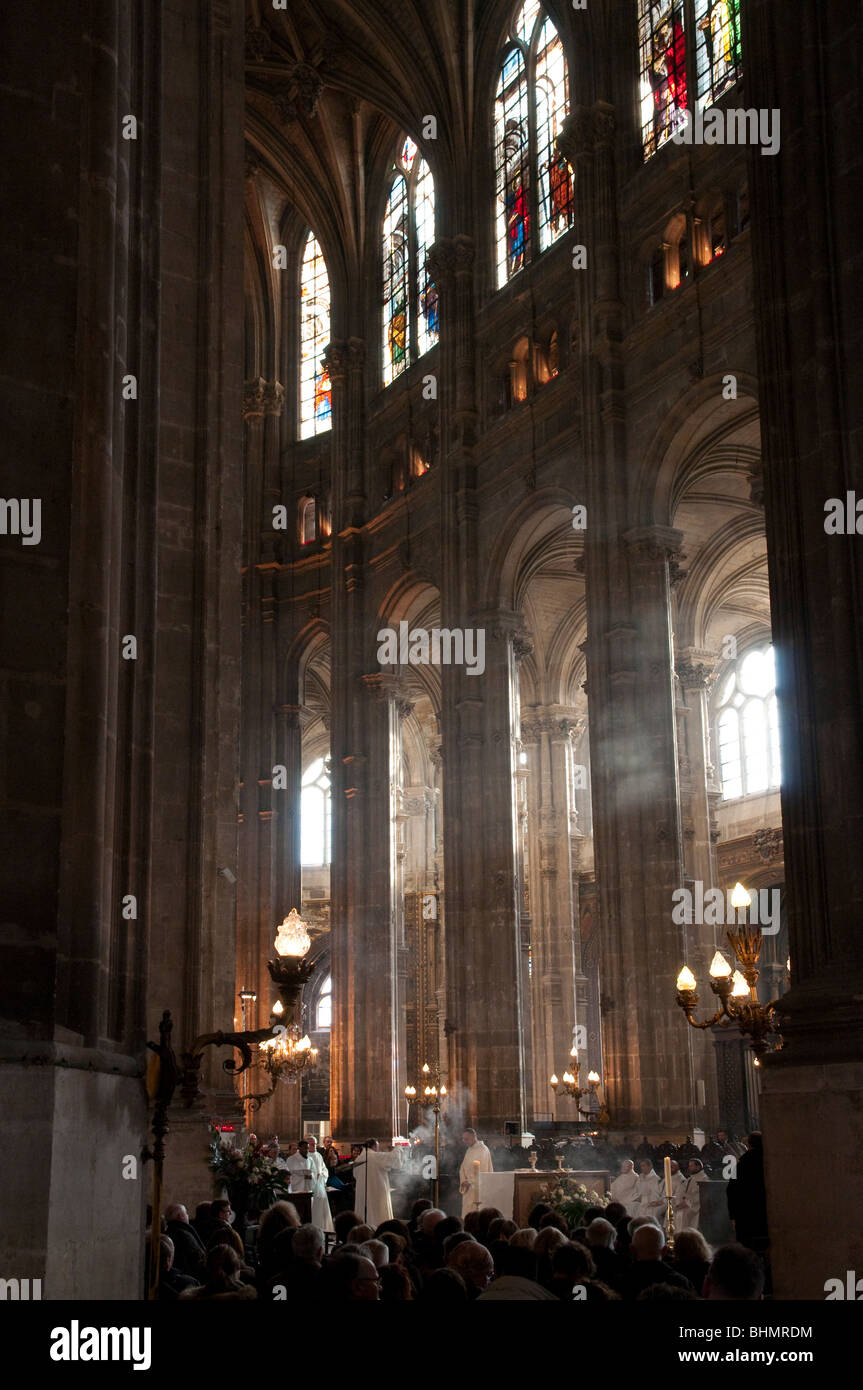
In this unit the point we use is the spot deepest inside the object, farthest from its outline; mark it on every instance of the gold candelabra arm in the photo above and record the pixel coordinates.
(688, 1001)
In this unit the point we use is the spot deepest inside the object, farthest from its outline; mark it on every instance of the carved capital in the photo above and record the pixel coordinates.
(259, 44)
(649, 544)
(262, 398)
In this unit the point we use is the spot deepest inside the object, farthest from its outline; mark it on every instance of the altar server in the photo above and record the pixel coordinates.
(468, 1173)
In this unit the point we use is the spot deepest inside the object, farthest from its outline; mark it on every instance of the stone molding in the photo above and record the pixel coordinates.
(262, 398)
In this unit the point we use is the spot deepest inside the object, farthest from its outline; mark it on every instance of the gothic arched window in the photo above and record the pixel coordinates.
(533, 180)
(411, 322)
(663, 26)
(308, 521)
(324, 1005)
(747, 723)
(316, 401)
(316, 816)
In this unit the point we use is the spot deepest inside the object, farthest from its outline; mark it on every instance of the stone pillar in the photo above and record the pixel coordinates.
(638, 839)
(696, 672)
(809, 317)
(483, 945)
(558, 987)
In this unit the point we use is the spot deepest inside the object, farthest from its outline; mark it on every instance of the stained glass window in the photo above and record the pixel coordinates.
(748, 726)
(533, 180)
(662, 51)
(717, 47)
(316, 400)
(411, 320)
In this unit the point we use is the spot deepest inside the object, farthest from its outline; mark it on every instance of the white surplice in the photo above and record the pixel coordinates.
(624, 1189)
(477, 1153)
(649, 1199)
(302, 1172)
(689, 1208)
(321, 1214)
(372, 1197)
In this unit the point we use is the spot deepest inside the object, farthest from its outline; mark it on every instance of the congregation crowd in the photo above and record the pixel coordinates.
(617, 1252)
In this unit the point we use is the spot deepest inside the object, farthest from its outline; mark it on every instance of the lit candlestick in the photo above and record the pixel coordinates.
(668, 1177)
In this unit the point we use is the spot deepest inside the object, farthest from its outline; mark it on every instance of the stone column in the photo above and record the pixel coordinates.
(696, 673)
(810, 348)
(483, 945)
(558, 985)
(637, 838)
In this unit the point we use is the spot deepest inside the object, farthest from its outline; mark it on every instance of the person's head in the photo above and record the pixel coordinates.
(360, 1234)
(500, 1229)
(615, 1212)
(722, 1135)
(471, 1222)
(292, 1148)
(627, 1166)
(364, 1284)
(468, 1137)
(396, 1245)
(166, 1253)
(473, 1262)
(735, 1274)
(675, 1166)
(429, 1220)
(754, 1141)
(344, 1223)
(648, 1242)
(396, 1286)
(445, 1286)
(203, 1211)
(328, 1141)
(356, 1151)
(695, 1166)
(307, 1243)
(691, 1245)
(524, 1239)
(303, 1148)
(376, 1251)
(312, 1144)
(486, 1216)
(453, 1239)
(601, 1233)
(645, 1166)
(637, 1221)
(536, 1213)
(221, 1210)
(372, 1144)
(420, 1205)
(394, 1226)
(591, 1213)
(279, 1217)
(572, 1263)
(450, 1226)
(223, 1267)
(548, 1240)
(555, 1220)
(177, 1212)
(224, 1236)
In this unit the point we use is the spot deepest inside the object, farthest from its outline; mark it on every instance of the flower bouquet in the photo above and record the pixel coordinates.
(571, 1198)
(250, 1173)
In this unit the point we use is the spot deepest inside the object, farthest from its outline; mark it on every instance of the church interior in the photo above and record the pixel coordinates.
(431, 644)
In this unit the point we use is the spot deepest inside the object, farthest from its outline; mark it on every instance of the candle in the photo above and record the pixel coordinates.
(476, 1167)
(668, 1177)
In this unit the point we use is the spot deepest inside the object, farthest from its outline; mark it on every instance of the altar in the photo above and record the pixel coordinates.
(516, 1193)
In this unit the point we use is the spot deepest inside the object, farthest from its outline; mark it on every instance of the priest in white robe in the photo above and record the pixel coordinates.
(688, 1209)
(477, 1160)
(624, 1187)
(301, 1169)
(322, 1217)
(649, 1193)
(372, 1200)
